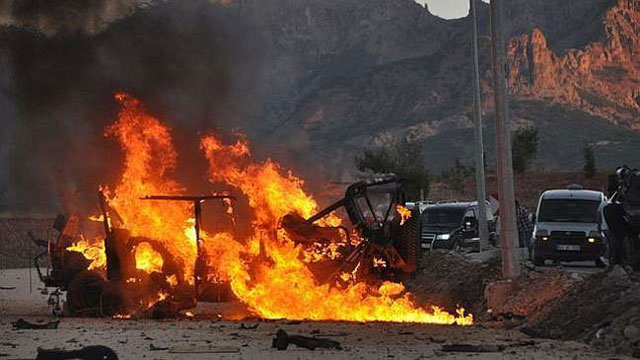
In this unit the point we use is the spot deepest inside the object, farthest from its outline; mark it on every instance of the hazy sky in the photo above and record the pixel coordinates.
(448, 9)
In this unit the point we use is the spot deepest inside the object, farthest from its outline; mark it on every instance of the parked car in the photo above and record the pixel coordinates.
(452, 225)
(568, 226)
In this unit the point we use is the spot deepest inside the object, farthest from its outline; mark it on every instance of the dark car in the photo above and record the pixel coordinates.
(452, 225)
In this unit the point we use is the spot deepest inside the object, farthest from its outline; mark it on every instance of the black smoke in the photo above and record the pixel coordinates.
(189, 61)
(66, 16)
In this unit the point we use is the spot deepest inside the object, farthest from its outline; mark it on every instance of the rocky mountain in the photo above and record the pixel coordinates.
(575, 59)
(601, 78)
(311, 82)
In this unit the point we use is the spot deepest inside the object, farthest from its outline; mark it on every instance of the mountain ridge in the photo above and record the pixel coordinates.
(312, 82)
(602, 78)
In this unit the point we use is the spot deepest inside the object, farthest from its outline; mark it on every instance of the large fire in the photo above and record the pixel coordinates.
(266, 271)
(149, 160)
(147, 259)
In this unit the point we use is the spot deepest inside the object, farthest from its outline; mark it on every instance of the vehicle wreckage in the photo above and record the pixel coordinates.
(390, 232)
(91, 293)
(383, 231)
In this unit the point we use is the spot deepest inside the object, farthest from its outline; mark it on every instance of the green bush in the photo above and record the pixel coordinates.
(524, 148)
(456, 176)
(406, 159)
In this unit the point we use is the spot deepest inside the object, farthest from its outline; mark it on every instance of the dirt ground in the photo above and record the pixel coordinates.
(602, 310)
(450, 279)
(133, 339)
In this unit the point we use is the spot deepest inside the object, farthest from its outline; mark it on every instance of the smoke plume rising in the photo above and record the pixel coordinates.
(62, 61)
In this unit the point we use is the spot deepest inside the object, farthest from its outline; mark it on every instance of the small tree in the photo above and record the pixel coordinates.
(524, 148)
(456, 176)
(589, 162)
(406, 159)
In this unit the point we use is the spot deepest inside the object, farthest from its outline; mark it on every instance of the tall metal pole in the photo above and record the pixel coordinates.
(508, 230)
(479, 151)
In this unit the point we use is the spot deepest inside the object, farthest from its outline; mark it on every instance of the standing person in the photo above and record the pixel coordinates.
(525, 226)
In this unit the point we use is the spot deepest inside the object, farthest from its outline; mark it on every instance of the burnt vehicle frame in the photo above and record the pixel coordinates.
(371, 206)
(89, 293)
(92, 294)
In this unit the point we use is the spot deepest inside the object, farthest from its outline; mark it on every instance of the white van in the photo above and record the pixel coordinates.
(569, 226)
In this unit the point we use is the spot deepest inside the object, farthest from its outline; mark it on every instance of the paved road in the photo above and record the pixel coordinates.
(579, 267)
(153, 339)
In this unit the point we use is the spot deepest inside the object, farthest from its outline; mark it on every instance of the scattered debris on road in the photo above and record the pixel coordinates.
(157, 348)
(22, 324)
(282, 341)
(95, 352)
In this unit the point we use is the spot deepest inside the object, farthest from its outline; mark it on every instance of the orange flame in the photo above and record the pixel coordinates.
(390, 288)
(172, 280)
(283, 286)
(94, 252)
(405, 214)
(149, 160)
(378, 262)
(267, 271)
(319, 252)
(147, 259)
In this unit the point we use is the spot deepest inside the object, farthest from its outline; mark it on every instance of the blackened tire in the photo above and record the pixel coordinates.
(408, 241)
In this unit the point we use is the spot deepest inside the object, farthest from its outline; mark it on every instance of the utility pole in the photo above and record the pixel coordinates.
(504, 168)
(479, 151)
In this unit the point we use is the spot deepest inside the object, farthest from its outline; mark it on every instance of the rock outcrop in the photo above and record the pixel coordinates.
(603, 78)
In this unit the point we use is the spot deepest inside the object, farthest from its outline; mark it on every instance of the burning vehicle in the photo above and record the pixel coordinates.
(74, 267)
(154, 259)
(387, 233)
